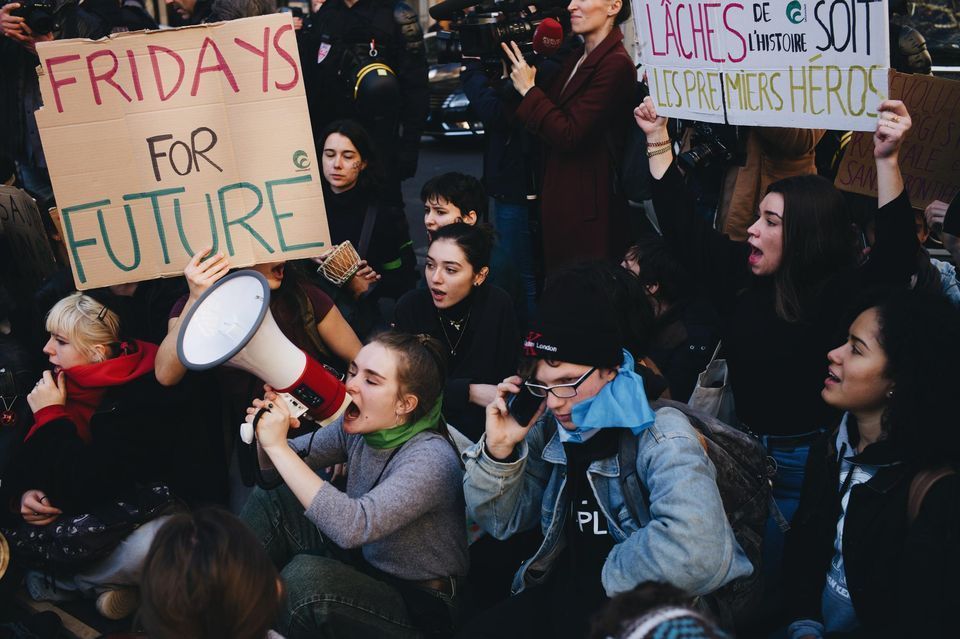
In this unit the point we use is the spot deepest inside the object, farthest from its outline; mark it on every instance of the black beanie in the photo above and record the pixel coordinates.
(575, 323)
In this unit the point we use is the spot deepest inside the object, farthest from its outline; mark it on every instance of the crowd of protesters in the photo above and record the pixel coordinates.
(729, 417)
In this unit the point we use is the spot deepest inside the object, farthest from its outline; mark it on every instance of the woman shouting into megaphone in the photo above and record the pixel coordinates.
(402, 509)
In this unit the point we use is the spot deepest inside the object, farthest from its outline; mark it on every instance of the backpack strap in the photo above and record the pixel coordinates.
(919, 487)
(634, 493)
(366, 231)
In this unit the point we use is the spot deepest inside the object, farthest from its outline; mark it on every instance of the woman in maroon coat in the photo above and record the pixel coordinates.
(580, 116)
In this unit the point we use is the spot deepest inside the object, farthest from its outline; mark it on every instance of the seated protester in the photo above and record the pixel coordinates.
(455, 197)
(686, 332)
(206, 577)
(632, 313)
(561, 474)
(383, 558)
(101, 429)
(473, 319)
(869, 553)
(304, 314)
(352, 176)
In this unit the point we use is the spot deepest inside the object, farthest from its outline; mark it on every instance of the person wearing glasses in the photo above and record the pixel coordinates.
(561, 472)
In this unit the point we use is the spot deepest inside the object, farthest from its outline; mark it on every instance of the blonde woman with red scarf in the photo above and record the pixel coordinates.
(99, 432)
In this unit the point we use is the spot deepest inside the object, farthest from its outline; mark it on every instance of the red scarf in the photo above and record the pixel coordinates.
(87, 384)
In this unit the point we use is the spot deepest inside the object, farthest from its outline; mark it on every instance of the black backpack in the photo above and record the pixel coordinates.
(744, 478)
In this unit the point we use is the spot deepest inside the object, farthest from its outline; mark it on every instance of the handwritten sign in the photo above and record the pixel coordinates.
(797, 63)
(930, 157)
(161, 143)
(23, 239)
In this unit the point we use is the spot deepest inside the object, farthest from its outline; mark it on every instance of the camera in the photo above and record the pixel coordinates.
(40, 15)
(478, 33)
(710, 146)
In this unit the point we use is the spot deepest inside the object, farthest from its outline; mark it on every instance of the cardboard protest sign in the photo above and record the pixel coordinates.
(23, 239)
(930, 157)
(161, 143)
(794, 63)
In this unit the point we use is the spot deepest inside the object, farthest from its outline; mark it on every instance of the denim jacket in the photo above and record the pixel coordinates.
(688, 541)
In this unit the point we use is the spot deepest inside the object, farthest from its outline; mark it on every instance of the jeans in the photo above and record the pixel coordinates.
(513, 227)
(122, 567)
(791, 464)
(330, 592)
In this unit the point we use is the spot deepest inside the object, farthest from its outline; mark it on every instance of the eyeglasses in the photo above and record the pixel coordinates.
(560, 391)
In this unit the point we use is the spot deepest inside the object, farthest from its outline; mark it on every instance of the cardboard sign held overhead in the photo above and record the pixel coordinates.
(793, 63)
(162, 143)
(930, 157)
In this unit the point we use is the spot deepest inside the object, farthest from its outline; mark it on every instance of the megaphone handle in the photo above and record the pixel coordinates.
(248, 431)
(247, 434)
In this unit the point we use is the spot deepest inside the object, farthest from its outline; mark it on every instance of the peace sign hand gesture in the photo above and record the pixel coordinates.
(521, 73)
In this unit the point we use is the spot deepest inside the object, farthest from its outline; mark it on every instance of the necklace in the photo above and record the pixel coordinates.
(7, 416)
(460, 327)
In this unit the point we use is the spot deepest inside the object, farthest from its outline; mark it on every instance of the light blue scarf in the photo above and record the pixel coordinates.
(622, 403)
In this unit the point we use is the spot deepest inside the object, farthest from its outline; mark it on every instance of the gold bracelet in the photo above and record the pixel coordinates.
(660, 143)
(660, 151)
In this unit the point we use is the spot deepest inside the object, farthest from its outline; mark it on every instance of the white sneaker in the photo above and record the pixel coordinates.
(119, 603)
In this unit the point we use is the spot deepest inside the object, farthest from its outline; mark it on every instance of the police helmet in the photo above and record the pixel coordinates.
(376, 91)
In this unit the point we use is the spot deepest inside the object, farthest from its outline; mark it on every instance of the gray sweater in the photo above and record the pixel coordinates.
(412, 524)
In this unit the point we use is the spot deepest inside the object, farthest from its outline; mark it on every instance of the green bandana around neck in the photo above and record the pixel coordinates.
(399, 435)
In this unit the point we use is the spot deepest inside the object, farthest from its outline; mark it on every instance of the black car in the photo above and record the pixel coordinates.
(450, 113)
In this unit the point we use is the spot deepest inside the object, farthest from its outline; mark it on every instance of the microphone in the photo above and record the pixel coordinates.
(449, 9)
(548, 37)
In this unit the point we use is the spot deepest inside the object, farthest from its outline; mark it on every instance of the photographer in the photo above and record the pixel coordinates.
(23, 25)
(578, 115)
(508, 168)
(364, 60)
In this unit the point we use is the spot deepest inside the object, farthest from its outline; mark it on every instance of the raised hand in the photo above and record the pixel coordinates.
(201, 274)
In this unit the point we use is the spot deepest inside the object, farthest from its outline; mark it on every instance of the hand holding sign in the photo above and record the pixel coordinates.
(201, 274)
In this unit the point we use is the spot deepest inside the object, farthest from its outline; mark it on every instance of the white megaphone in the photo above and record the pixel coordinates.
(231, 324)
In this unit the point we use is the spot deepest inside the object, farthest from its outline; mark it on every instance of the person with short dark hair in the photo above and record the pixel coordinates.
(385, 557)
(473, 319)
(686, 330)
(453, 197)
(869, 553)
(560, 473)
(207, 576)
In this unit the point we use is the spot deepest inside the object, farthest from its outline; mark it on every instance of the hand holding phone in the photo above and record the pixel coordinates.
(524, 406)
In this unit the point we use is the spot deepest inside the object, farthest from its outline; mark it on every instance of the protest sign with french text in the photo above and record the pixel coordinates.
(788, 63)
(930, 157)
(161, 143)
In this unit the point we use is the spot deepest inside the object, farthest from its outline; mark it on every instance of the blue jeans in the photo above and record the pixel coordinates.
(791, 465)
(513, 227)
(330, 592)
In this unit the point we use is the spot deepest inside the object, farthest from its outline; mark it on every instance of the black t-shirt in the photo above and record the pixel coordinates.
(588, 539)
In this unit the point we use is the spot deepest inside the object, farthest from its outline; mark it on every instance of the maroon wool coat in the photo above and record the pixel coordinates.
(579, 127)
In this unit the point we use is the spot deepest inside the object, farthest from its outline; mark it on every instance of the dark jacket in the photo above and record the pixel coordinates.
(775, 363)
(138, 436)
(578, 127)
(390, 251)
(338, 38)
(487, 353)
(683, 343)
(509, 151)
(902, 578)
